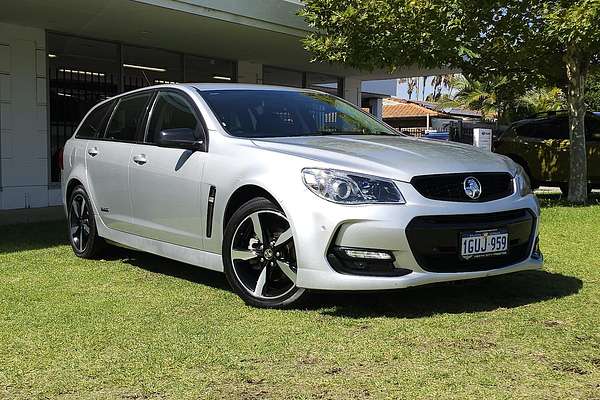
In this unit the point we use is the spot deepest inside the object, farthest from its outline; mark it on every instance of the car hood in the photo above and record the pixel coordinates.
(394, 157)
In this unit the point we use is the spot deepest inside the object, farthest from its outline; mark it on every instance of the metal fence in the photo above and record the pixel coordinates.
(416, 132)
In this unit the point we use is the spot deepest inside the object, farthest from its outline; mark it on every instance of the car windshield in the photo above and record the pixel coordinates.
(282, 113)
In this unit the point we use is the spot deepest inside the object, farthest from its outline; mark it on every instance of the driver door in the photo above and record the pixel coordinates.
(166, 181)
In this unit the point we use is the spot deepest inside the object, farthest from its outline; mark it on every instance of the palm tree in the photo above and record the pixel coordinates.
(474, 95)
(439, 83)
(411, 84)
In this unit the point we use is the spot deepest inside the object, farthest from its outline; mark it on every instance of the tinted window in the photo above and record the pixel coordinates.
(127, 117)
(172, 111)
(92, 125)
(283, 77)
(592, 127)
(278, 113)
(555, 128)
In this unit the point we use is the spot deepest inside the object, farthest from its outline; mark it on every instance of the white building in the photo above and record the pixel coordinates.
(59, 57)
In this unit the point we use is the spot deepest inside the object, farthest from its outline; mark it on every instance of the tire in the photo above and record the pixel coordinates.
(83, 234)
(259, 255)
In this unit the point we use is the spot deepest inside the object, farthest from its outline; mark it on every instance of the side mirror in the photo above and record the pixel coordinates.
(182, 138)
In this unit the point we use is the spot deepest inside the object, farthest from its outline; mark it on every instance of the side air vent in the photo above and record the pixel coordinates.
(210, 210)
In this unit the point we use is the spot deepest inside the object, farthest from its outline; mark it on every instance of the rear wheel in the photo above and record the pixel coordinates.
(83, 234)
(259, 255)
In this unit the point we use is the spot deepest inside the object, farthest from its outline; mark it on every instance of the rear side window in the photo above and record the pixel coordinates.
(555, 128)
(592, 127)
(93, 124)
(127, 118)
(173, 111)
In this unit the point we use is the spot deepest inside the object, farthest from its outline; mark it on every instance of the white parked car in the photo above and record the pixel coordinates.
(287, 189)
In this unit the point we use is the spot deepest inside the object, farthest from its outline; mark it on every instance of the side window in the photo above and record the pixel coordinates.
(555, 128)
(560, 129)
(172, 111)
(93, 124)
(127, 118)
(592, 127)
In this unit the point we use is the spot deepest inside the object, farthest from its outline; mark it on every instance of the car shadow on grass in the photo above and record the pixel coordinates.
(478, 295)
(167, 267)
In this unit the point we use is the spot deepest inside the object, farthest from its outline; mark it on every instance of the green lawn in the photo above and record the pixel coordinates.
(137, 326)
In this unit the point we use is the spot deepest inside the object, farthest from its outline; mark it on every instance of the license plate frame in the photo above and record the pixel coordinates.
(495, 243)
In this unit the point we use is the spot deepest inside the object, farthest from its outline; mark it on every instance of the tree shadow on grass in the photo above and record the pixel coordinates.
(486, 294)
(33, 236)
(554, 199)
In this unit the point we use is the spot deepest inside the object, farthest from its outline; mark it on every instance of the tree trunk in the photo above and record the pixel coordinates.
(576, 72)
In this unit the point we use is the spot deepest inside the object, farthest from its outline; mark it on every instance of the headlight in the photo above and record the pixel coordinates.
(350, 188)
(522, 183)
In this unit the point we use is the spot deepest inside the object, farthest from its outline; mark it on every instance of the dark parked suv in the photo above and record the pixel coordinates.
(542, 146)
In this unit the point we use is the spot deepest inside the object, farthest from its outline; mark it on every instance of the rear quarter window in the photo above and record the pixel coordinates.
(92, 126)
(555, 128)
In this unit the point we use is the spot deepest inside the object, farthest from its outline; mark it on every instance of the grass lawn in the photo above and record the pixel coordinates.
(136, 326)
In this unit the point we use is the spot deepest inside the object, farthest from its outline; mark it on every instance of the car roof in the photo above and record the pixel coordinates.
(206, 87)
(548, 117)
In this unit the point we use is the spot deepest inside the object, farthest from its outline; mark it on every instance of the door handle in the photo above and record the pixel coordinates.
(140, 159)
(93, 152)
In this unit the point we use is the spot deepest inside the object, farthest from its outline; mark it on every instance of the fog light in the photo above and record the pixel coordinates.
(367, 254)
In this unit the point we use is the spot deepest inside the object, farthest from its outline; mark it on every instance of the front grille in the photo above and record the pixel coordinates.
(435, 240)
(450, 187)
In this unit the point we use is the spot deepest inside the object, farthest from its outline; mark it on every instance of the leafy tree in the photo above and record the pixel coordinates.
(542, 99)
(482, 96)
(533, 43)
(592, 91)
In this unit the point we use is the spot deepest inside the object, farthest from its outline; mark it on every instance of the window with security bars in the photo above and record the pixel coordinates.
(83, 72)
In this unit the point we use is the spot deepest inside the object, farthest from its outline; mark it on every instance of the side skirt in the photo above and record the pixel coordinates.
(183, 254)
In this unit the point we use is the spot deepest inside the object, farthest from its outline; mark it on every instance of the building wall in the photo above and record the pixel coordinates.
(23, 118)
(386, 86)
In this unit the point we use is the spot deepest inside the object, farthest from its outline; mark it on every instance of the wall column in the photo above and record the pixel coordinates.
(23, 118)
(352, 90)
(249, 72)
(376, 106)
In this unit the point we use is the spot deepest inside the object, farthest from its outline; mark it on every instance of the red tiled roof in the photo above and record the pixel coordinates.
(395, 108)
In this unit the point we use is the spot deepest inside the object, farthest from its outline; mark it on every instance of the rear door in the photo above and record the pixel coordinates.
(108, 161)
(545, 146)
(592, 130)
(166, 182)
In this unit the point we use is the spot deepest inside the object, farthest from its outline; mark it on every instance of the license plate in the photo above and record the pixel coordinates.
(484, 243)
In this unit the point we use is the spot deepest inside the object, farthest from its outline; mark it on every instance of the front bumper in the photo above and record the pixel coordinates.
(318, 225)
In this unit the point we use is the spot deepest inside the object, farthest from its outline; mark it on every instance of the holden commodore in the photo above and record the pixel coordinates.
(286, 190)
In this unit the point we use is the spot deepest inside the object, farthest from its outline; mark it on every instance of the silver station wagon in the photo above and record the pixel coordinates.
(287, 189)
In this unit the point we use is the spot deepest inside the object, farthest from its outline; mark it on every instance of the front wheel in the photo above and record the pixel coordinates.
(259, 255)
